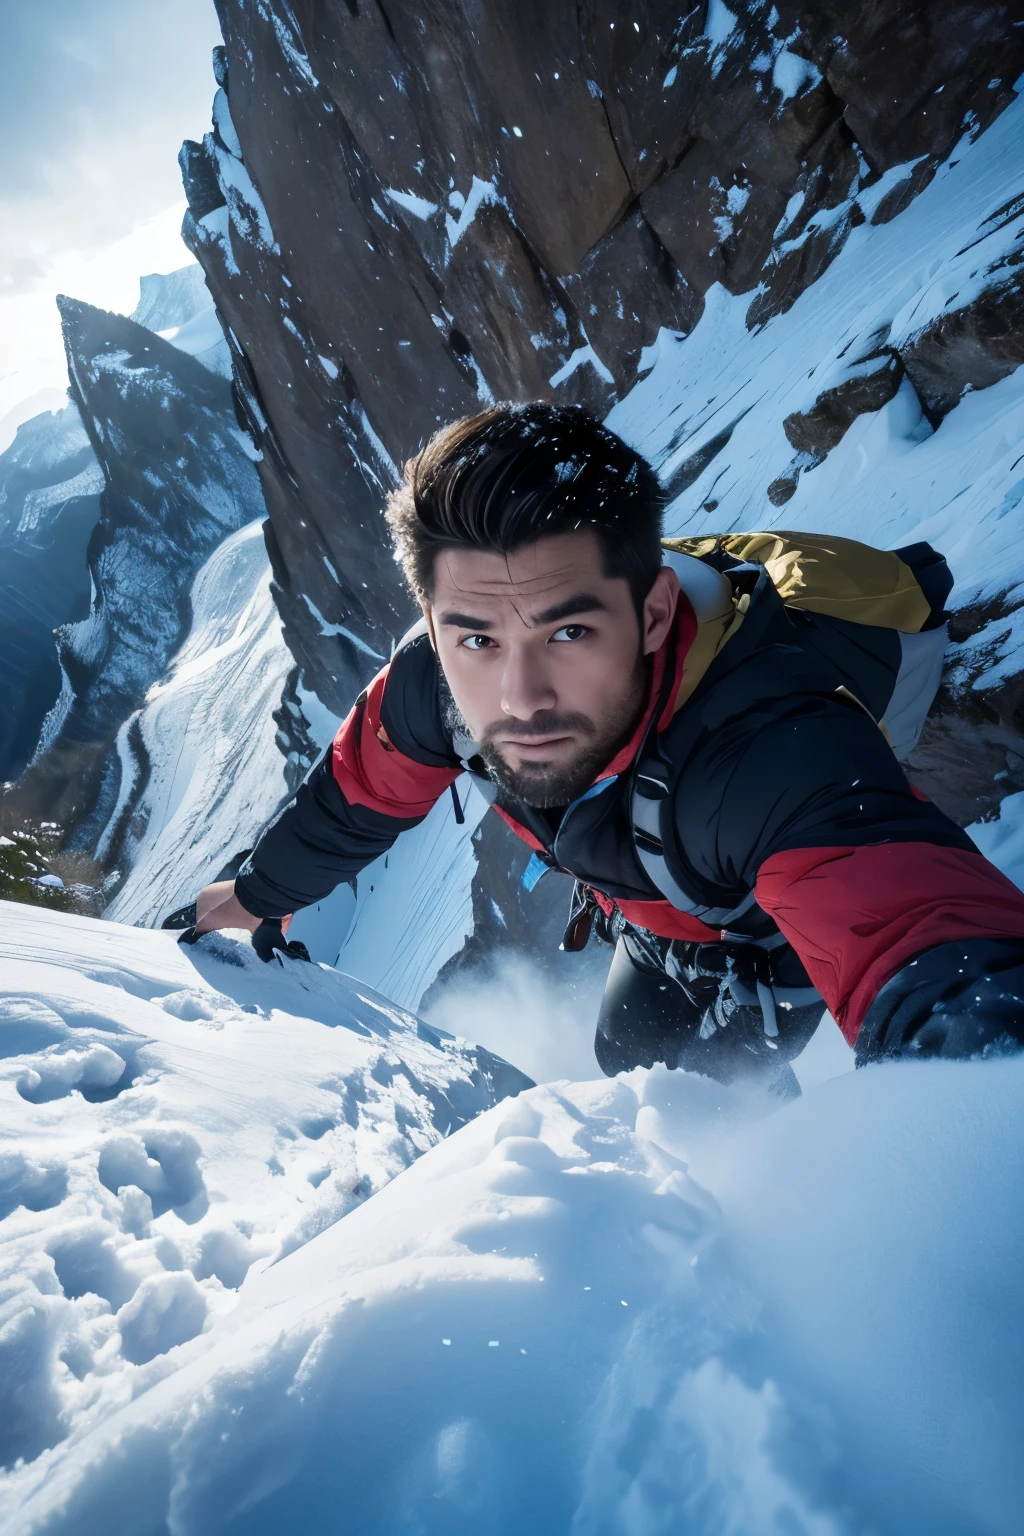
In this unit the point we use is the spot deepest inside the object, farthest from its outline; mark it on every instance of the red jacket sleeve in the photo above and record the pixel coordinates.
(372, 772)
(856, 916)
(389, 763)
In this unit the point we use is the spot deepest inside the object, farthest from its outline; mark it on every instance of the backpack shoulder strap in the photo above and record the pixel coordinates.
(650, 800)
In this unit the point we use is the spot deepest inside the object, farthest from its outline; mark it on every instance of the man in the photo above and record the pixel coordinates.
(693, 733)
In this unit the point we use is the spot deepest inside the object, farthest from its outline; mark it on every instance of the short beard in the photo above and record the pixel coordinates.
(546, 786)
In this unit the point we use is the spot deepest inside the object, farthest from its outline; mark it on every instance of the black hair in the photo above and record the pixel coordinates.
(518, 473)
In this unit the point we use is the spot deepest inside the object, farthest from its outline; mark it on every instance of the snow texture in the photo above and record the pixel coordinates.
(1002, 840)
(640, 1306)
(207, 733)
(414, 907)
(172, 1117)
(169, 299)
(726, 389)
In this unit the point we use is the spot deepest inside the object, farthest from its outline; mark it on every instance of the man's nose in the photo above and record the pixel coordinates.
(525, 685)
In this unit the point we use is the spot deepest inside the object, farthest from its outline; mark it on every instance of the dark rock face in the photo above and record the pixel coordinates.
(178, 478)
(410, 209)
(909, 74)
(971, 752)
(870, 383)
(867, 384)
(969, 347)
(49, 504)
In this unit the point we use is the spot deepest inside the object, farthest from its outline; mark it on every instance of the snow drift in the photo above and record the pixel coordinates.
(637, 1306)
(166, 1125)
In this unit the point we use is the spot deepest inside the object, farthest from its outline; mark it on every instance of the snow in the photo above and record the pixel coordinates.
(171, 1118)
(169, 299)
(637, 1306)
(248, 212)
(720, 23)
(892, 479)
(207, 732)
(224, 125)
(202, 338)
(582, 357)
(419, 207)
(1002, 840)
(480, 192)
(37, 503)
(215, 227)
(414, 907)
(793, 75)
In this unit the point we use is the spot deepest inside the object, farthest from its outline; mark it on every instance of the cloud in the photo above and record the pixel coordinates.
(95, 98)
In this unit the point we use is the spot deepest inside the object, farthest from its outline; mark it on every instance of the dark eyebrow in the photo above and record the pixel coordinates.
(464, 621)
(583, 602)
(569, 607)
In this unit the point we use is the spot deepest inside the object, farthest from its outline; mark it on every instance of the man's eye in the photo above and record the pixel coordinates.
(571, 632)
(477, 642)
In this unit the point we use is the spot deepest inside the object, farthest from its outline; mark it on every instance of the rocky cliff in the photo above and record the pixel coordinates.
(404, 210)
(50, 485)
(177, 477)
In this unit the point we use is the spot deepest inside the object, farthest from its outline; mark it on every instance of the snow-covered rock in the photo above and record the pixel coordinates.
(620, 1308)
(49, 504)
(178, 479)
(717, 411)
(169, 299)
(50, 480)
(178, 306)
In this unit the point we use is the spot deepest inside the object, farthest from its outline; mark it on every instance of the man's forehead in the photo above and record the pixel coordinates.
(532, 571)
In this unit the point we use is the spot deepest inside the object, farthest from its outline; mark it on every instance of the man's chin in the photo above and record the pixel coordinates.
(544, 785)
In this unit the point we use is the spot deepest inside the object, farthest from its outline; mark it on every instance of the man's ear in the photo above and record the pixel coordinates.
(659, 609)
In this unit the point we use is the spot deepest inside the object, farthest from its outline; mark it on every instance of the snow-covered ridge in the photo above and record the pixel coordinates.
(50, 481)
(205, 740)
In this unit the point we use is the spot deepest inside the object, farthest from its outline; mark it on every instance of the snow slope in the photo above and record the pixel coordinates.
(171, 1117)
(892, 479)
(207, 734)
(179, 307)
(546, 1323)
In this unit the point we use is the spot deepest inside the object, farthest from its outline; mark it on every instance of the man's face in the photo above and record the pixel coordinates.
(543, 654)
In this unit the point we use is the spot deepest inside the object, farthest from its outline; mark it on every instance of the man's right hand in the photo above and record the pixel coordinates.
(218, 907)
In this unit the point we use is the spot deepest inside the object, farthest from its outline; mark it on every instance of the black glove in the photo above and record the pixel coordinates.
(960, 999)
(269, 941)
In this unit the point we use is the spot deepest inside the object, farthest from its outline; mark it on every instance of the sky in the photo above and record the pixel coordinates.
(95, 99)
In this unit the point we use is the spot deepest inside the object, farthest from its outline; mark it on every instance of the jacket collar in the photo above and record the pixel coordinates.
(665, 676)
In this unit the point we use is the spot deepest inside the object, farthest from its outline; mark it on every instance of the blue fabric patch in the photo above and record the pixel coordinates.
(596, 789)
(533, 872)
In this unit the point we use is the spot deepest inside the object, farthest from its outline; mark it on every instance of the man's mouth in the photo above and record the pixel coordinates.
(532, 748)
